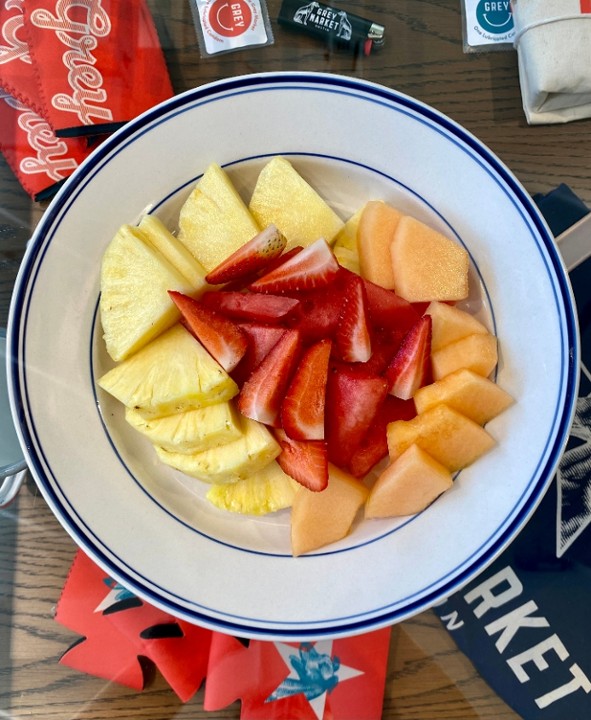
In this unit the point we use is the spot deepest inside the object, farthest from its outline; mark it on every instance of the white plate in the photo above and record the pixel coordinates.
(152, 530)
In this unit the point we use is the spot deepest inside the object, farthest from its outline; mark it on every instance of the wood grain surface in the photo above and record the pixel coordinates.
(428, 677)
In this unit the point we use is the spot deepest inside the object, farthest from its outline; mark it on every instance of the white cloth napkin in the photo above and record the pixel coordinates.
(553, 42)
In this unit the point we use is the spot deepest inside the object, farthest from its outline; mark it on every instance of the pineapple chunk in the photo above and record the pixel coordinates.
(265, 492)
(446, 435)
(160, 238)
(134, 305)
(321, 518)
(171, 374)
(214, 220)
(471, 394)
(283, 198)
(449, 324)
(345, 244)
(408, 485)
(231, 462)
(427, 265)
(476, 352)
(190, 431)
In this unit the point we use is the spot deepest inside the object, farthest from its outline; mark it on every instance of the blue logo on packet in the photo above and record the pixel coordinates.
(495, 16)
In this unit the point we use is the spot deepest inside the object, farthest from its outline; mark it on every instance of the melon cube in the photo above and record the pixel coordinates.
(471, 394)
(407, 485)
(446, 435)
(321, 518)
(377, 225)
(214, 220)
(449, 324)
(426, 264)
(283, 198)
(475, 352)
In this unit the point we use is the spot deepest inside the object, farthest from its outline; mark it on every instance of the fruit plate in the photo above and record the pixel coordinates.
(152, 529)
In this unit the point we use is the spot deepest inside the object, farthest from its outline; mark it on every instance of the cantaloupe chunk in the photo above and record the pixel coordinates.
(407, 485)
(283, 198)
(449, 437)
(476, 352)
(321, 518)
(214, 221)
(426, 264)
(450, 323)
(471, 394)
(375, 233)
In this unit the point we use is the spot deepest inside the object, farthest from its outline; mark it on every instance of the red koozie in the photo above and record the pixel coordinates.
(16, 67)
(37, 157)
(98, 62)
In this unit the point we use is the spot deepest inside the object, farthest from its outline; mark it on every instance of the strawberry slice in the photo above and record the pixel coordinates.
(374, 446)
(318, 314)
(263, 392)
(388, 310)
(250, 258)
(410, 367)
(353, 338)
(302, 410)
(261, 339)
(353, 399)
(306, 461)
(251, 306)
(315, 266)
(223, 339)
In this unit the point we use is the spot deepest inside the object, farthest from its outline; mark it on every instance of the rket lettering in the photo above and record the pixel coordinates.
(501, 589)
(51, 156)
(15, 49)
(81, 39)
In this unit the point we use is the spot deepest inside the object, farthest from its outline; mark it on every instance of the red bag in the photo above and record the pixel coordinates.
(37, 157)
(98, 63)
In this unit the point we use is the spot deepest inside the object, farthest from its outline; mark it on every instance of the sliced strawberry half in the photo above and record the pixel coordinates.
(374, 446)
(306, 461)
(388, 310)
(251, 306)
(353, 339)
(250, 258)
(315, 266)
(352, 402)
(411, 366)
(318, 314)
(261, 395)
(223, 339)
(302, 410)
(261, 340)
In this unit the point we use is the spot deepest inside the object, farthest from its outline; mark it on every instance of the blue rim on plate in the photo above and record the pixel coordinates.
(85, 534)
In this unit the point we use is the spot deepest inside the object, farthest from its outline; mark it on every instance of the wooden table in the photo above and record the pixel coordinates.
(423, 57)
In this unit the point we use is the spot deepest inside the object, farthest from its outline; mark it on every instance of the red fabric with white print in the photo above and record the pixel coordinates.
(341, 679)
(98, 63)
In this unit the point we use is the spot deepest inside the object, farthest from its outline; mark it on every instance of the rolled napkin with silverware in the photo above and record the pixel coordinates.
(553, 43)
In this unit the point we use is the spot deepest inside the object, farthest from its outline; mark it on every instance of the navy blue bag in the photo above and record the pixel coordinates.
(525, 622)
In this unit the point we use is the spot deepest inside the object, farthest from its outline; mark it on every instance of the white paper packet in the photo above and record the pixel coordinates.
(553, 42)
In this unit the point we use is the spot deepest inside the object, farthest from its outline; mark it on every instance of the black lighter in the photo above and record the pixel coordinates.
(337, 27)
